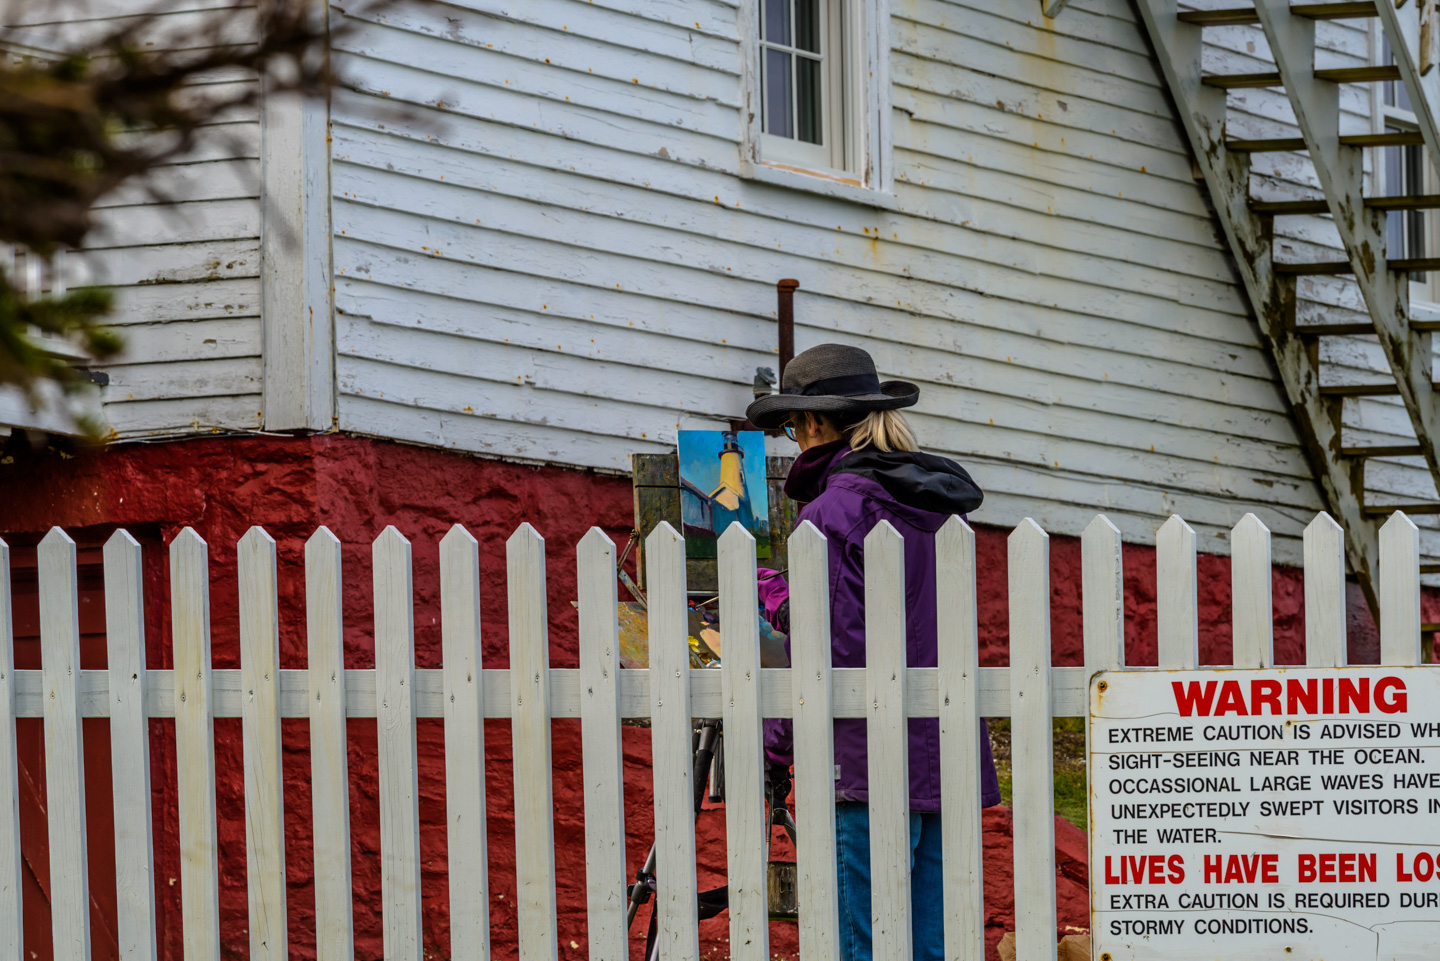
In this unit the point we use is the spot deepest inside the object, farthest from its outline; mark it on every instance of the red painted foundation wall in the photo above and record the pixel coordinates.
(356, 487)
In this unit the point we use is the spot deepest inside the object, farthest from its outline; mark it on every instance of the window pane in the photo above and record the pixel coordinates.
(807, 100)
(1415, 226)
(807, 25)
(778, 117)
(775, 21)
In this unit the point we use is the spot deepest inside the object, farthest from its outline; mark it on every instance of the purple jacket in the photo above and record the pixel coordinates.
(846, 494)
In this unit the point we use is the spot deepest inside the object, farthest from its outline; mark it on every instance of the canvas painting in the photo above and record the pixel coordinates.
(722, 480)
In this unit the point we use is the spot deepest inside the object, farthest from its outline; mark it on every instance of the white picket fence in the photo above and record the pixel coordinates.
(530, 693)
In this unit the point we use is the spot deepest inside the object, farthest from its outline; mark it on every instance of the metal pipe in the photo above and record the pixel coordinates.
(785, 304)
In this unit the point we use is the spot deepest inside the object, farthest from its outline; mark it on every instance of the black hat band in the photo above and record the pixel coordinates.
(849, 385)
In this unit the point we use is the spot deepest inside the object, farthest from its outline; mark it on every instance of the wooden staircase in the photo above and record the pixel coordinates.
(1360, 221)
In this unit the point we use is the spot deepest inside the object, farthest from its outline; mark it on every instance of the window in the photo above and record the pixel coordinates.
(817, 113)
(802, 73)
(1402, 171)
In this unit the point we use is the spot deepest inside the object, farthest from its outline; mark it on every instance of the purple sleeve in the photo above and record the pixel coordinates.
(774, 593)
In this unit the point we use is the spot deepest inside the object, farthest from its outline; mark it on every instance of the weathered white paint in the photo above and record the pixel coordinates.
(1032, 745)
(64, 748)
(260, 726)
(399, 771)
(501, 279)
(958, 651)
(1103, 592)
(817, 883)
(1399, 591)
(1325, 593)
(1176, 585)
(670, 711)
(1250, 601)
(192, 686)
(129, 747)
(602, 757)
(530, 733)
(745, 873)
(464, 746)
(887, 742)
(329, 760)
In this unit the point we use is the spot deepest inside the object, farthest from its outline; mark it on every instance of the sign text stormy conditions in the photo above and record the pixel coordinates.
(1265, 814)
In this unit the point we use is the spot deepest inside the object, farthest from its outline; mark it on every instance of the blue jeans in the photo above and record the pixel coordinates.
(927, 911)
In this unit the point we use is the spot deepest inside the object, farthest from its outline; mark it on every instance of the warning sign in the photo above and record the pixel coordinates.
(1281, 814)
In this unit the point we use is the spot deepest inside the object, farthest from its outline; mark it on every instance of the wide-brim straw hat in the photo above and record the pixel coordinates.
(831, 379)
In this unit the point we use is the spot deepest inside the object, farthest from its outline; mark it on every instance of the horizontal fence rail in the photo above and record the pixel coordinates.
(671, 694)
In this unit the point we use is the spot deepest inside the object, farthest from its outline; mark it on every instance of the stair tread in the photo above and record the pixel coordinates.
(1419, 509)
(1231, 81)
(1383, 389)
(1390, 138)
(1382, 450)
(1235, 16)
(1318, 205)
(1319, 267)
(1359, 74)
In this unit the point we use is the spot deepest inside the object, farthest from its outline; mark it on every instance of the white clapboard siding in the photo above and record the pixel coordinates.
(12, 938)
(129, 748)
(602, 753)
(887, 742)
(744, 748)
(329, 761)
(530, 734)
(64, 748)
(464, 746)
(260, 726)
(670, 711)
(552, 256)
(1032, 748)
(399, 770)
(958, 651)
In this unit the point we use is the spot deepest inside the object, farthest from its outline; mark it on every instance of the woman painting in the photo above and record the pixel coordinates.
(858, 465)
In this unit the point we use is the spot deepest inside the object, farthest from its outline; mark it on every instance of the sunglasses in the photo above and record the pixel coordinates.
(789, 429)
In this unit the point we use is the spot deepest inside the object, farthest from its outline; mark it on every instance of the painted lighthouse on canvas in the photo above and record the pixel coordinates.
(714, 461)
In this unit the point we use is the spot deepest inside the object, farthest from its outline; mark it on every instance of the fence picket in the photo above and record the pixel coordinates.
(814, 731)
(1032, 742)
(744, 748)
(959, 664)
(395, 721)
(260, 731)
(530, 730)
(1399, 591)
(670, 736)
(602, 759)
(1103, 589)
(464, 746)
(64, 749)
(1177, 615)
(329, 766)
(195, 745)
(1325, 593)
(12, 937)
(1250, 590)
(887, 746)
(129, 748)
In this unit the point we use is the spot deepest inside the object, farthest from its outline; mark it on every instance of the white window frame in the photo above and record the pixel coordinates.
(857, 164)
(1383, 117)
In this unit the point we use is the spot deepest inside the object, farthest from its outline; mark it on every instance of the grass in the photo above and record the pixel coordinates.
(1071, 790)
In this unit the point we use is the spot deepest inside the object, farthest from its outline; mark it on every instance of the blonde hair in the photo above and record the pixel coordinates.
(885, 430)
